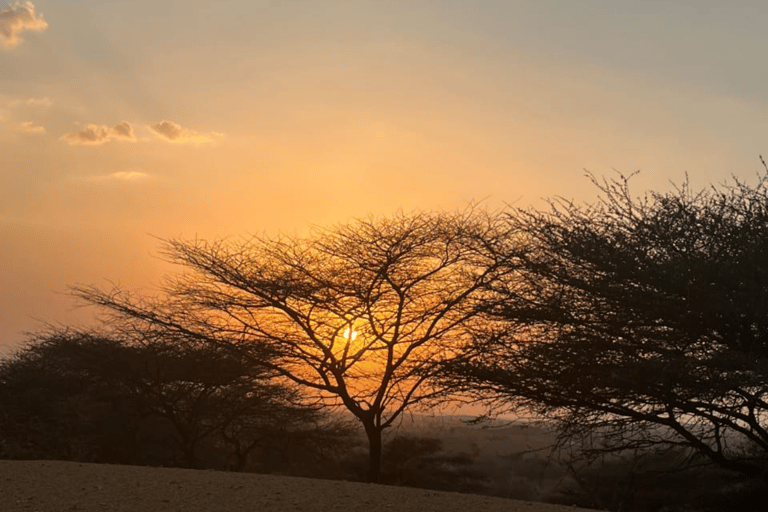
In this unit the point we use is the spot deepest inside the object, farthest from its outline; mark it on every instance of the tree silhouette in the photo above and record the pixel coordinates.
(58, 400)
(207, 393)
(641, 321)
(107, 397)
(362, 313)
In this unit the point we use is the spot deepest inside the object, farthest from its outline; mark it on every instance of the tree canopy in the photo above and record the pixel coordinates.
(362, 313)
(638, 321)
(103, 397)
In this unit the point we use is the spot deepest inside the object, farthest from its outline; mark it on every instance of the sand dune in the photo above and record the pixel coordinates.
(55, 486)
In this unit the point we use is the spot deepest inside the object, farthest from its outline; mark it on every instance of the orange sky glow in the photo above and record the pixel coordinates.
(125, 122)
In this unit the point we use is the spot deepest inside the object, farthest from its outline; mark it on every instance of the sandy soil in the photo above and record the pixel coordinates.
(54, 486)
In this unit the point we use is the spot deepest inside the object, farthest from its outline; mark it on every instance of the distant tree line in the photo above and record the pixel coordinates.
(632, 323)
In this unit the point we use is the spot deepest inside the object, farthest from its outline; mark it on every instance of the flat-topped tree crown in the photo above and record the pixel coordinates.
(362, 313)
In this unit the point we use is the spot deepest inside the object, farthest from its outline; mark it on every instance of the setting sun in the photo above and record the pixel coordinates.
(257, 236)
(348, 336)
(220, 120)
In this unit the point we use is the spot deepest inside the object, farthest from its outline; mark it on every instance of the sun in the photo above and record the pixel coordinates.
(354, 352)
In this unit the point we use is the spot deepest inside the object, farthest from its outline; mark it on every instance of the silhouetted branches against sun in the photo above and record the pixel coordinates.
(410, 286)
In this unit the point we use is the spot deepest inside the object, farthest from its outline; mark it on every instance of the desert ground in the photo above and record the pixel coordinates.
(55, 486)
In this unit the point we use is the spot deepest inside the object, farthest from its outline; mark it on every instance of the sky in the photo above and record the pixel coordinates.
(122, 123)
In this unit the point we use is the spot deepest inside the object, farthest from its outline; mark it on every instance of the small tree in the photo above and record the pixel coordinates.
(641, 321)
(362, 313)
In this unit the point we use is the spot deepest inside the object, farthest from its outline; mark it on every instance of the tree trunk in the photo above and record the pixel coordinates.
(373, 433)
(189, 455)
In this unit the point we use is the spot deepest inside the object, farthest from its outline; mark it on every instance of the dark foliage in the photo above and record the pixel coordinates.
(60, 400)
(636, 323)
(658, 480)
(98, 398)
(416, 461)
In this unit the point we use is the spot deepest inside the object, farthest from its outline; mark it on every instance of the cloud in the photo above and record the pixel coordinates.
(126, 176)
(16, 19)
(123, 130)
(42, 103)
(30, 127)
(97, 134)
(132, 176)
(172, 132)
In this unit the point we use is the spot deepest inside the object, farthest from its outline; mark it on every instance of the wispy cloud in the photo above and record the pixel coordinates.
(173, 132)
(128, 176)
(30, 127)
(42, 103)
(16, 19)
(125, 176)
(119, 176)
(97, 134)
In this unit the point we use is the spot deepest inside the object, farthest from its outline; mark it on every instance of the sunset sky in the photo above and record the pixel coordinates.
(125, 121)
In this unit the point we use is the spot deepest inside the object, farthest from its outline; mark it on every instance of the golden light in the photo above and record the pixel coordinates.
(350, 334)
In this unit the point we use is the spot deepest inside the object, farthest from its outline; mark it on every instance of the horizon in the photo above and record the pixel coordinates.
(124, 122)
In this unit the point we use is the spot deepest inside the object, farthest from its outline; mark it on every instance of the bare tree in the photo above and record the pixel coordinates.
(362, 313)
(639, 322)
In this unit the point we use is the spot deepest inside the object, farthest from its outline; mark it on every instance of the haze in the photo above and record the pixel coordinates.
(125, 121)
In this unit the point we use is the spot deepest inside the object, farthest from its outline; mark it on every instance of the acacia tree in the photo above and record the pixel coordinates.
(59, 399)
(362, 313)
(207, 393)
(644, 320)
(95, 397)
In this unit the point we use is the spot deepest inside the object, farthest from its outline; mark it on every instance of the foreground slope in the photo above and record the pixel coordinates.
(47, 486)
